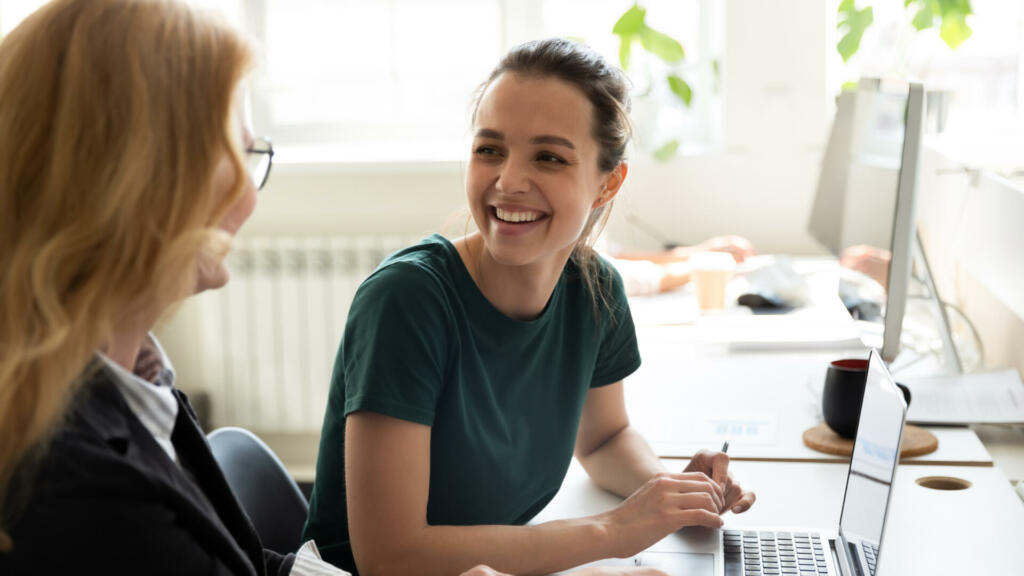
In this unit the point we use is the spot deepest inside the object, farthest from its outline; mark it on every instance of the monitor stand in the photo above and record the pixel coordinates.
(950, 356)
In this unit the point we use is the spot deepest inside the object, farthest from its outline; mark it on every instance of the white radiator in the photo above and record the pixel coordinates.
(267, 341)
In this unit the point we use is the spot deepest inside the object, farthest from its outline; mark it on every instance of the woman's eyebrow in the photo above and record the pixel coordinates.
(491, 134)
(541, 139)
(556, 140)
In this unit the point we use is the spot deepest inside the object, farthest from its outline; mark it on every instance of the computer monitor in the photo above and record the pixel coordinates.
(827, 211)
(904, 227)
(864, 206)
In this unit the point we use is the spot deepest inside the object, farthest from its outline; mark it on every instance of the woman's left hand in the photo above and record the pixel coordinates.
(716, 465)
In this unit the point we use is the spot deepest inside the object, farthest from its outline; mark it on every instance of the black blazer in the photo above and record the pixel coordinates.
(106, 499)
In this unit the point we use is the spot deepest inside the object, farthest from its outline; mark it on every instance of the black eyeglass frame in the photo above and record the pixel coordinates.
(269, 151)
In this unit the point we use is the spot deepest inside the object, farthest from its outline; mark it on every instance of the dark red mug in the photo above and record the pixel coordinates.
(843, 396)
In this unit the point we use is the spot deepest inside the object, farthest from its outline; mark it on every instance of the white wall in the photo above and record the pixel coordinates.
(976, 261)
(777, 117)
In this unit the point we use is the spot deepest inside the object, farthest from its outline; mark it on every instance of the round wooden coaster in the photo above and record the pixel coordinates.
(916, 441)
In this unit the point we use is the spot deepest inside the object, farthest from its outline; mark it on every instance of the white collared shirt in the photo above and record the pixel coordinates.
(152, 402)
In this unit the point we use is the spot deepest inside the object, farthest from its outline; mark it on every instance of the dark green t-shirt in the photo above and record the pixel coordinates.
(503, 397)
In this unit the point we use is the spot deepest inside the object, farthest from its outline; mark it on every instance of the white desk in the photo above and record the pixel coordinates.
(690, 394)
(929, 532)
(1006, 444)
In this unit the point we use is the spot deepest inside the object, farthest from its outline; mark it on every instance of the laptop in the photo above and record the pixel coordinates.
(854, 547)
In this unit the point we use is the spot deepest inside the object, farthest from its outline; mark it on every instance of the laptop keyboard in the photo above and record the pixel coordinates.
(871, 553)
(750, 553)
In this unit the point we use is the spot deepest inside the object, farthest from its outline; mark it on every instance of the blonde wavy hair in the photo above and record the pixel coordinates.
(114, 115)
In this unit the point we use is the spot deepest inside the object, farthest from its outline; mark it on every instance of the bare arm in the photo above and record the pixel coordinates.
(615, 456)
(738, 246)
(387, 468)
(619, 460)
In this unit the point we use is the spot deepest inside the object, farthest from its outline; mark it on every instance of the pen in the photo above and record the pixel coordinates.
(725, 450)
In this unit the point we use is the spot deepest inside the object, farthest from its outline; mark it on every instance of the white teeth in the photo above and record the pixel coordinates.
(508, 216)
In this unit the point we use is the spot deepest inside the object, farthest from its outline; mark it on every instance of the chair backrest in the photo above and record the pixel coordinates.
(263, 486)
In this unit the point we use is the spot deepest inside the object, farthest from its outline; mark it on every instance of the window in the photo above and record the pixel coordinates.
(385, 80)
(373, 79)
(978, 84)
(14, 11)
(393, 80)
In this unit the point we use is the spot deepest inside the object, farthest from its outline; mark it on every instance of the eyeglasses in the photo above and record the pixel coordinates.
(258, 159)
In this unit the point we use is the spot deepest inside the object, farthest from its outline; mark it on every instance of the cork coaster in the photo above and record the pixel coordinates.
(916, 441)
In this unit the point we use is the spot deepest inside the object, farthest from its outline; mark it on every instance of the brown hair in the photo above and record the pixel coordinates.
(114, 114)
(607, 89)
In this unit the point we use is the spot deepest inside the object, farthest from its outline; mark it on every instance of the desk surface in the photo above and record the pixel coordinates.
(973, 531)
(1006, 444)
(690, 394)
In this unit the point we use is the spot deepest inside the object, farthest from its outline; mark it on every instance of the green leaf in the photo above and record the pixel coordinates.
(661, 45)
(852, 24)
(953, 7)
(954, 30)
(848, 46)
(680, 88)
(625, 49)
(850, 86)
(924, 18)
(666, 151)
(631, 22)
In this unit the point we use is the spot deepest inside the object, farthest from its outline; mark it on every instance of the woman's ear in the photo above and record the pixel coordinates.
(612, 184)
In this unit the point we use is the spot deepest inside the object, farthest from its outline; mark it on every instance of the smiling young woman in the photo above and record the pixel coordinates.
(470, 372)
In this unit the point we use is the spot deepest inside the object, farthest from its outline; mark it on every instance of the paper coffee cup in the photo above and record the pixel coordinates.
(711, 272)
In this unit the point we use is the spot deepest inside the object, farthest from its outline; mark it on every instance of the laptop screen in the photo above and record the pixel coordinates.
(873, 466)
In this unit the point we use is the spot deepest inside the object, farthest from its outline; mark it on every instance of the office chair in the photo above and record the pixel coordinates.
(266, 491)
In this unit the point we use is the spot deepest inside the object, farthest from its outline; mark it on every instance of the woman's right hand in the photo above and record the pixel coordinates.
(593, 571)
(664, 504)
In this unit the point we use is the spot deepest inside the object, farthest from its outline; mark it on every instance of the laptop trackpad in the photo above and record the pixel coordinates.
(679, 562)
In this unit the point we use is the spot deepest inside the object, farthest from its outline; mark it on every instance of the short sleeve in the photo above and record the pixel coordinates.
(393, 354)
(618, 355)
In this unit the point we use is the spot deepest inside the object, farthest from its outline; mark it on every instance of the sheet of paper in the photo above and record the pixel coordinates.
(985, 398)
(794, 331)
(710, 430)
(738, 429)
